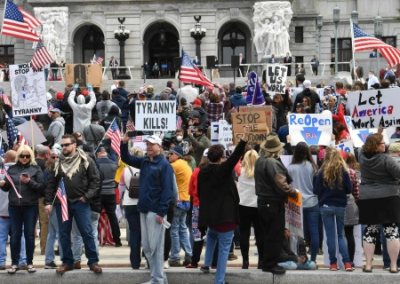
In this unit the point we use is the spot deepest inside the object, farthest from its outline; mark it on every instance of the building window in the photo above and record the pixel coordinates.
(391, 40)
(233, 43)
(344, 52)
(299, 59)
(298, 34)
(6, 54)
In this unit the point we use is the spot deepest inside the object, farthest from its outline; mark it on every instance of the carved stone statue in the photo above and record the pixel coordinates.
(271, 28)
(54, 31)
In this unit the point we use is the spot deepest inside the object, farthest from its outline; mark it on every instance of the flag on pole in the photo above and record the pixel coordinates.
(137, 139)
(19, 23)
(5, 173)
(142, 90)
(191, 73)
(22, 140)
(12, 132)
(1, 149)
(5, 98)
(114, 134)
(41, 57)
(363, 41)
(97, 59)
(130, 126)
(62, 196)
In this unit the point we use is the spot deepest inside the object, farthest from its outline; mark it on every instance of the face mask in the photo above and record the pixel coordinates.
(179, 138)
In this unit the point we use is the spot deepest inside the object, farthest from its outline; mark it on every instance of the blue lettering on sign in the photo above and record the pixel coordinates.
(343, 148)
(308, 120)
(348, 122)
(363, 134)
(311, 135)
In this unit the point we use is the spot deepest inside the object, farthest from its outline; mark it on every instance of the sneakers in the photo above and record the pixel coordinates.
(187, 261)
(175, 263)
(205, 269)
(348, 267)
(166, 264)
(232, 256)
(51, 265)
(334, 267)
(191, 266)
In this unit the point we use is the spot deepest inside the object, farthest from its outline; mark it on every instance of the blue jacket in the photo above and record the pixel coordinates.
(119, 101)
(108, 167)
(238, 100)
(155, 181)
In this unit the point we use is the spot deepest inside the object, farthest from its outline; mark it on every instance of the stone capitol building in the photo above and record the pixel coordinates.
(75, 30)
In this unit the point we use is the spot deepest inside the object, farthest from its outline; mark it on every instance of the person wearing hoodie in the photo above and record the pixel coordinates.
(113, 113)
(238, 99)
(308, 92)
(202, 115)
(119, 100)
(82, 112)
(103, 106)
(57, 126)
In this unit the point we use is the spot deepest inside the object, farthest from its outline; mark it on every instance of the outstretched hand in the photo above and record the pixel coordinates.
(89, 87)
(76, 86)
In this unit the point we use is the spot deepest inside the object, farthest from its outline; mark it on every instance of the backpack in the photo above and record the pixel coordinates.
(134, 185)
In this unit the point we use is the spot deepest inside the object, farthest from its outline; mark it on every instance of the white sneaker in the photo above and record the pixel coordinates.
(166, 265)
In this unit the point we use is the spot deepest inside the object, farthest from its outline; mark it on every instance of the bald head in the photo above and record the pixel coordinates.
(9, 156)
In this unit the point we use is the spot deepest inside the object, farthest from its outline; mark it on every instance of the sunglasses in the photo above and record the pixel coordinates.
(22, 156)
(66, 145)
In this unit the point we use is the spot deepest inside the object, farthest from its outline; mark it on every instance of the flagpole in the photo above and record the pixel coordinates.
(104, 136)
(4, 12)
(352, 46)
(33, 144)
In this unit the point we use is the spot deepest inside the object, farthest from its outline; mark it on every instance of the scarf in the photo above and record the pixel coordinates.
(70, 165)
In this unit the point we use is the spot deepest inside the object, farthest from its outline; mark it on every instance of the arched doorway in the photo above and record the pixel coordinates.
(161, 45)
(89, 40)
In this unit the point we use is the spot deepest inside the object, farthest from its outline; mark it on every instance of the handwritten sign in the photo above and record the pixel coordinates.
(155, 115)
(314, 129)
(225, 133)
(266, 109)
(294, 215)
(276, 78)
(346, 146)
(359, 136)
(28, 90)
(83, 74)
(256, 121)
(370, 109)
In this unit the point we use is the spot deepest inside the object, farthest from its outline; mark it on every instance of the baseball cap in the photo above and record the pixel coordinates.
(56, 110)
(60, 96)
(307, 84)
(85, 93)
(153, 139)
(197, 102)
(299, 105)
(194, 114)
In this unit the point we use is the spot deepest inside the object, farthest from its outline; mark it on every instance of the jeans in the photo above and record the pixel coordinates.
(54, 75)
(329, 215)
(224, 245)
(81, 212)
(132, 215)
(311, 221)
(5, 226)
(77, 243)
(22, 217)
(179, 235)
(52, 236)
(110, 205)
(153, 234)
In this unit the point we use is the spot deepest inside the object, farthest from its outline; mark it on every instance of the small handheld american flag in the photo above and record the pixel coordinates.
(114, 134)
(62, 196)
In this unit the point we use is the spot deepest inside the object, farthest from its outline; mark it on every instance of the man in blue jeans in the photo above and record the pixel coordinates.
(82, 180)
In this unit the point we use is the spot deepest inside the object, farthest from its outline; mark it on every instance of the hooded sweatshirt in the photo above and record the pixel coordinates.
(113, 113)
(57, 128)
(238, 100)
(103, 107)
(82, 111)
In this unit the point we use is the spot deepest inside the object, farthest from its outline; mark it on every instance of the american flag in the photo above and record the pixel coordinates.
(5, 99)
(191, 73)
(114, 134)
(143, 90)
(18, 23)
(363, 41)
(1, 149)
(137, 139)
(22, 140)
(178, 122)
(5, 173)
(62, 196)
(49, 108)
(130, 126)
(41, 57)
(12, 132)
(97, 59)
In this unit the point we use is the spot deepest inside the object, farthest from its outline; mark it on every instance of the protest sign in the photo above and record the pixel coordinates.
(225, 133)
(26, 131)
(214, 132)
(294, 215)
(314, 129)
(266, 109)
(28, 90)
(254, 94)
(256, 121)
(346, 146)
(359, 136)
(287, 159)
(349, 123)
(276, 78)
(370, 109)
(83, 74)
(155, 115)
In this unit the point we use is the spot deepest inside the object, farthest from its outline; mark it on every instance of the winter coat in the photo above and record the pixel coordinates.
(57, 128)
(238, 100)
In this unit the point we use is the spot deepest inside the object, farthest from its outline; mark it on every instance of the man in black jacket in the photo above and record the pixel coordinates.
(314, 97)
(81, 179)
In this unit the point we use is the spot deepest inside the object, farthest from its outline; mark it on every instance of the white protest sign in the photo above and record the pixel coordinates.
(28, 90)
(359, 136)
(294, 215)
(287, 159)
(314, 129)
(26, 131)
(346, 146)
(349, 123)
(225, 133)
(155, 115)
(214, 132)
(370, 109)
(276, 78)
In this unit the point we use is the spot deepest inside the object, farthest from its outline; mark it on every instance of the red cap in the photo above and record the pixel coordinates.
(60, 96)
(343, 153)
(85, 93)
(197, 102)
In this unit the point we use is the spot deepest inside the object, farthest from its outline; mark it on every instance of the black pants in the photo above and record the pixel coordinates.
(248, 216)
(272, 216)
(109, 203)
(315, 71)
(114, 73)
(167, 240)
(351, 244)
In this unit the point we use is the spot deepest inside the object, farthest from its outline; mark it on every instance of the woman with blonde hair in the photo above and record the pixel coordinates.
(248, 212)
(25, 183)
(332, 184)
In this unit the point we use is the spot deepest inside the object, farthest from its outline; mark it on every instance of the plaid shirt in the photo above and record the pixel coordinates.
(355, 182)
(214, 110)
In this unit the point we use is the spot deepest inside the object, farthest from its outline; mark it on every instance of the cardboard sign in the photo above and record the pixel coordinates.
(266, 109)
(225, 134)
(370, 109)
(28, 90)
(155, 115)
(276, 78)
(83, 74)
(294, 215)
(346, 146)
(359, 136)
(25, 129)
(256, 120)
(314, 129)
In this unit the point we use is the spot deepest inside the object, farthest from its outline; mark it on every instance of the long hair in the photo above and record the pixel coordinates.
(302, 153)
(248, 163)
(333, 167)
(351, 161)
